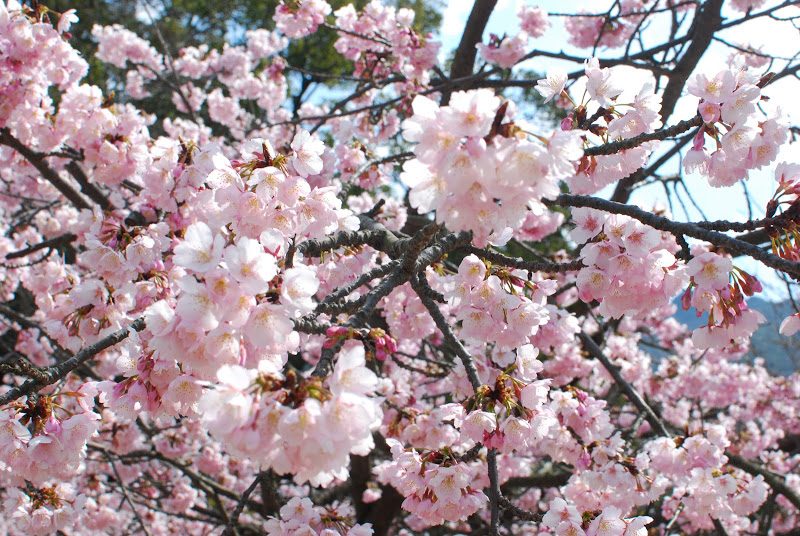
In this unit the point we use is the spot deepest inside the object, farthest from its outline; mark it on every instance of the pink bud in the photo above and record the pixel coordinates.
(686, 299)
(699, 141)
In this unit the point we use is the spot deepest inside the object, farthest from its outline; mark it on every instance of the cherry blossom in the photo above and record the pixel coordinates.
(412, 302)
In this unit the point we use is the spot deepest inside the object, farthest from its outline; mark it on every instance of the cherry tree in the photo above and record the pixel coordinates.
(424, 302)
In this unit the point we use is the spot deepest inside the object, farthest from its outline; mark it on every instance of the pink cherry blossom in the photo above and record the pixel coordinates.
(200, 250)
(338, 303)
(552, 86)
(307, 151)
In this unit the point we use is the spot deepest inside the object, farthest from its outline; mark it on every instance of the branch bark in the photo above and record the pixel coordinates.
(54, 242)
(464, 59)
(38, 161)
(52, 374)
(88, 188)
(733, 245)
(636, 399)
(705, 24)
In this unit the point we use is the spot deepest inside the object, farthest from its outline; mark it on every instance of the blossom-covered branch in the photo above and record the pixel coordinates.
(318, 281)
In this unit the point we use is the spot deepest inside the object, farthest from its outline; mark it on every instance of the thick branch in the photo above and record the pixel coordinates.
(540, 480)
(363, 279)
(464, 59)
(372, 233)
(37, 160)
(52, 374)
(413, 262)
(522, 264)
(733, 245)
(59, 240)
(87, 187)
(705, 24)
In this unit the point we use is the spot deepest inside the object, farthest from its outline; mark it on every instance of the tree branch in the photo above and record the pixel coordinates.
(733, 245)
(230, 528)
(630, 143)
(52, 374)
(420, 286)
(705, 24)
(636, 399)
(65, 238)
(464, 59)
(87, 187)
(37, 160)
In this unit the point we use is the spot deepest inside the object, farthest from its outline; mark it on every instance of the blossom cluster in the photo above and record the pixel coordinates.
(294, 425)
(238, 322)
(380, 41)
(620, 121)
(301, 516)
(478, 173)
(43, 441)
(719, 289)
(434, 492)
(495, 309)
(630, 268)
(728, 106)
(41, 511)
(506, 51)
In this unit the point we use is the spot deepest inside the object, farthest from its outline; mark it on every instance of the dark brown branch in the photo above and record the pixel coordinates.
(87, 187)
(718, 528)
(625, 186)
(203, 482)
(733, 245)
(382, 512)
(706, 22)
(324, 366)
(541, 480)
(52, 374)
(494, 491)
(54, 242)
(125, 494)
(308, 324)
(371, 233)
(636, 399)
(522, 264)
(363, 279)
(464, 59)
(38, 161)
(751, 225)
(420, 286)
(630, 143)
(270, 499)
(230, 528)
(505, 504)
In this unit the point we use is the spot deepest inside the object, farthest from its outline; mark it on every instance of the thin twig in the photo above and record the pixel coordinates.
(234, 518)
(125, 494)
